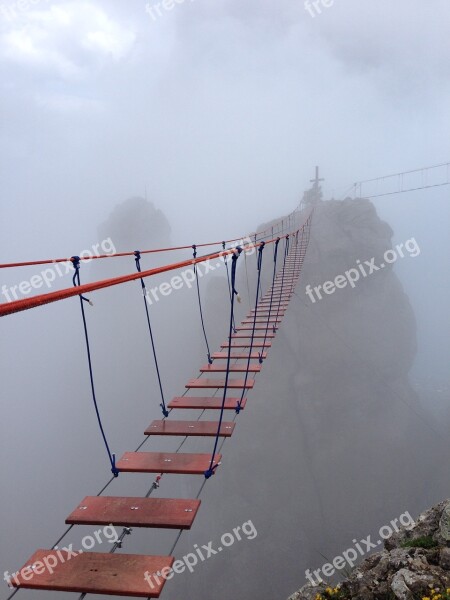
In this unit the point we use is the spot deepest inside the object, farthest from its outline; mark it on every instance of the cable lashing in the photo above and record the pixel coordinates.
(246, 277)
(225, 259)
(236, 252)
(261, 296)
(286, 252)
(76, 282)
(275, 253)
(194, 248)
(137, 258)
(258, 284)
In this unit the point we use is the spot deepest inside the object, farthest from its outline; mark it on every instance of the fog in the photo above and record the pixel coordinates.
(128, 129)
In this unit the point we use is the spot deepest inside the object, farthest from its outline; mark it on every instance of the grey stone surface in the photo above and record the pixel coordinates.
(406, 573)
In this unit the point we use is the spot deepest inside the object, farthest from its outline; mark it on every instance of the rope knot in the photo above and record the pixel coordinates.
(137, 258)
(75, 262)
(211, 471)
(114, 470)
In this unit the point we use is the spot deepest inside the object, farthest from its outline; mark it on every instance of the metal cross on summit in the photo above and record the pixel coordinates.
(316, 192)
(317, 180)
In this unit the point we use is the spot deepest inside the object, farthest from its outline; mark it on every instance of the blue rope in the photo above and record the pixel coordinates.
(76, 282)
(137, 259)
(286, 252)
(229, 285)
(259, 267)
(275, 253)
(257, 260)
(212, 467)
(194, 247)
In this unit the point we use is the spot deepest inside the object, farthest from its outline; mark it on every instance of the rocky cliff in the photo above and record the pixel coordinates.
(415, 564)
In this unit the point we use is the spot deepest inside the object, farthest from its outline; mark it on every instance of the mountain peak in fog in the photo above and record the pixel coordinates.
(136, 224)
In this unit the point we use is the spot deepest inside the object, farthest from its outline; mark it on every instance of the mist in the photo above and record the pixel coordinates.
(130, 127)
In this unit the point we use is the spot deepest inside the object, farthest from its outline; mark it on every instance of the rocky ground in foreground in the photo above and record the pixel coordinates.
(414, 565)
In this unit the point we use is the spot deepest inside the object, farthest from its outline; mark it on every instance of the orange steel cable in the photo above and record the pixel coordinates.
(27, 303)
(119, 254)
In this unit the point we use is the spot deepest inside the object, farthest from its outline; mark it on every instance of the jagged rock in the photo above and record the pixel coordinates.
(405, 573)
(427, 525)
(444, 558)
(444, 523)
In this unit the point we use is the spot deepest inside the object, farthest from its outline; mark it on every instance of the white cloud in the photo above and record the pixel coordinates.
(67, 40)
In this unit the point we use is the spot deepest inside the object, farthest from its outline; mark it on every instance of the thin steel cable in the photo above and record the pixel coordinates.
(200, 306)
(152, 340)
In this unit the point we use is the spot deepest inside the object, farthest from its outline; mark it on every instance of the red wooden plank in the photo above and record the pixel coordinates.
(248, 334)
(93, 573)
(135, 512)
(189, 428)
(238, 355)
(267, 310)
(276, 294)
(264, 316)
(166, 462)
(285, 296)
(233, 384)
(272, 322)
(242, 344)
(202, 403)
(250, 328)
(265, 305)
(222, 368)
(273, 313)
(267, 313)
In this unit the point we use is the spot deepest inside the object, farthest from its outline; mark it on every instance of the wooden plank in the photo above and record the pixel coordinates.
(164, 513)
(93, 573)
(238, 355)
(189, 428)
(166, 462)
(222, 368)
(242, 344)
(247, 334)
(233, 384)
(203, 403)
(257, 328)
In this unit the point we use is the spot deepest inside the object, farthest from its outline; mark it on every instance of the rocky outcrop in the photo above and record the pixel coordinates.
(414, 562)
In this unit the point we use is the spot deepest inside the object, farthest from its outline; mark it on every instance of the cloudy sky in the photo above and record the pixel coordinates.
(220, 108)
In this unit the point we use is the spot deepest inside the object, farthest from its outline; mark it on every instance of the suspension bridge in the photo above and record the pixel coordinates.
(232, 369)
(227, 377)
